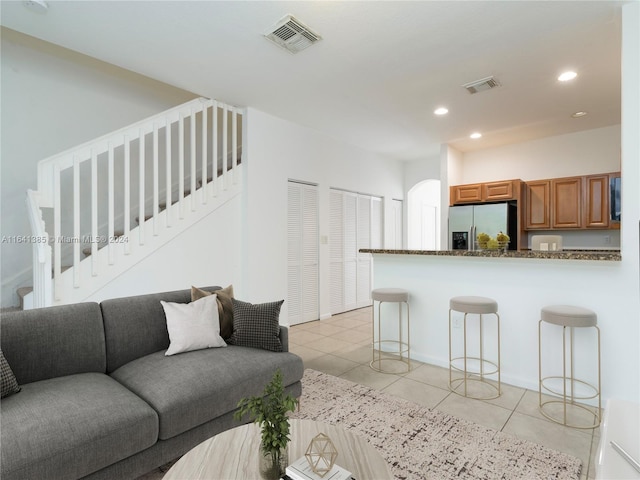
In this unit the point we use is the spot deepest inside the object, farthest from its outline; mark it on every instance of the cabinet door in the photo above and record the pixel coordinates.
(498, 191)
(566, 198)
(537, 205)
(466, 193)
(596, 204)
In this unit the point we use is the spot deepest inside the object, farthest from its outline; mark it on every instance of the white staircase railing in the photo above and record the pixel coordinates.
(122, 190)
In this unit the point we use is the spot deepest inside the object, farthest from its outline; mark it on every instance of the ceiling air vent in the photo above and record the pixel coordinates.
(482, 85)
(292, 35)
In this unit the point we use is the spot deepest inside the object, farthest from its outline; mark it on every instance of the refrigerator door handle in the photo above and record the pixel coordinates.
(472, 237)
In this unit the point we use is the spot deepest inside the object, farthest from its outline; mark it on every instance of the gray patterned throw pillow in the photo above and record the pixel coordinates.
(256, 326)
(7, 378)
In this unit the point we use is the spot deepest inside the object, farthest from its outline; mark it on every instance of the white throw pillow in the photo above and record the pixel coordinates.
(193, 326)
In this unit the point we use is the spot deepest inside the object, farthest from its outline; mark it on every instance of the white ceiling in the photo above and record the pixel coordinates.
(380, 70)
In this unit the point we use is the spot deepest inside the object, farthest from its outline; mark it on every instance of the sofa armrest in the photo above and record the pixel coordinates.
(284, 338)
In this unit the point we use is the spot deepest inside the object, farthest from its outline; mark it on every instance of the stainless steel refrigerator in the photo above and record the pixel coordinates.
(466, 221)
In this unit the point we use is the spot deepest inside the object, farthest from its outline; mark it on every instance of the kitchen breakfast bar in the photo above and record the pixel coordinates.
(522, 283)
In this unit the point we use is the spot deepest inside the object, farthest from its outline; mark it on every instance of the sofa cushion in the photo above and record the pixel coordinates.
(225, 307)
(192, 388)
(193, 326)
(256, 326)
(68, 427)
(54, 341)
(136, 326)
(7, 378)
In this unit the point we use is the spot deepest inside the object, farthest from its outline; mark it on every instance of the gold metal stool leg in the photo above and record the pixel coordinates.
(469, 376)
(568, 399)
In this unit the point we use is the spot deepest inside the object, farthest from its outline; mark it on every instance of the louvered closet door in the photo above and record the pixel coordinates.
(350, 251)
(355, 223)
(302, 253)
(364, 241)
(369, 236)
(336, 251)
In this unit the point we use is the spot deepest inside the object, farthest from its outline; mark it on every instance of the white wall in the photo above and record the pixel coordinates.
(53, 99)
(277, 151)
(582, 153)
(208, 253)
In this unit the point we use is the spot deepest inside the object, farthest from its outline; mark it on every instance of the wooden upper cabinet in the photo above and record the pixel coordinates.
(538, 205)
(485, 192)
(596, 201)
(496, 191)
(465, 193)
(566, 201)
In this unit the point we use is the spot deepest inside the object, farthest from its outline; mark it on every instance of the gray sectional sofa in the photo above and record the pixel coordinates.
(100, 400)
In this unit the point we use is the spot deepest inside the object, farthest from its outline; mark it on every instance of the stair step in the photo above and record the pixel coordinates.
(23, 292)
(87, 250)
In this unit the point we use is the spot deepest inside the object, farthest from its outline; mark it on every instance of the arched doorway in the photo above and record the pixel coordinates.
(423, 229)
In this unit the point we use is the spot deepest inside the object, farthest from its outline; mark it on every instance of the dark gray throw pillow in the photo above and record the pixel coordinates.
(8, 379)
(256, 326)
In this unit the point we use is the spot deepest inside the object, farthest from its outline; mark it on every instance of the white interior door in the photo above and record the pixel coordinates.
(429, 227)
(395, 242)
(355, 223)
(303, 253)
(336, 251)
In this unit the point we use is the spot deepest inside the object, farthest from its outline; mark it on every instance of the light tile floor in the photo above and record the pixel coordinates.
(341, 346)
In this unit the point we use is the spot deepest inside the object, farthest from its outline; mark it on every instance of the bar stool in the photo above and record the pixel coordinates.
(402, 351)
(564, 386)
(474, 368)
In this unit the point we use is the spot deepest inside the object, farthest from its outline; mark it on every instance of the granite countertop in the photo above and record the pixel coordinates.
(606, 255)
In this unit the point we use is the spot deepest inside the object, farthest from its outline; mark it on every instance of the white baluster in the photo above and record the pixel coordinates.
(205, 187)
(214, 148)
(181, 165)
(57, 219)
(192, 151)
(94, 213)
(167, 140)
(141, 165)
(76, 222)
(127, 194)
(156, 193)
(111, 207)
(234, 145)
(225, 121)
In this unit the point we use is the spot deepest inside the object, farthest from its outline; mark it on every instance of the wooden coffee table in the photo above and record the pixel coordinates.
(234, 453)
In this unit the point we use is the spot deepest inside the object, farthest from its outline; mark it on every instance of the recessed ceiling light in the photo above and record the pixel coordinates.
(475, 135)
(441, 111)
(566, 76)
(578, 114)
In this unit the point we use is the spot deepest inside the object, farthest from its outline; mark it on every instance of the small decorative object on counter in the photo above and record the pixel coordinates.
(503, 240)
(483, 240)
(321, 454)
(487, 242)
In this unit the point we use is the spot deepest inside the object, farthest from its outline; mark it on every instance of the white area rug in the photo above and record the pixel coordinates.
(420, 443)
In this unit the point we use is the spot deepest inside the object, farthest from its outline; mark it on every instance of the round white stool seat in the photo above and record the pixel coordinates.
(471, 304)
(390, 295)
(569, 316)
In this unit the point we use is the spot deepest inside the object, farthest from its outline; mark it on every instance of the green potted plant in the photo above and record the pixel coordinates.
(269, 411)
